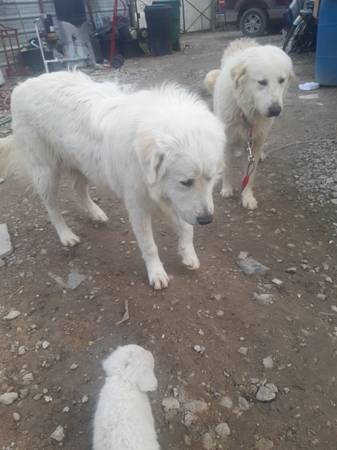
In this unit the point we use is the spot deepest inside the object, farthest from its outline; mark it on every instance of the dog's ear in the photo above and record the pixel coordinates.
(238, 73)
(149, 156)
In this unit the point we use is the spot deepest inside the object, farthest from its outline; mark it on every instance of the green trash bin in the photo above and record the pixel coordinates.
(175, 18)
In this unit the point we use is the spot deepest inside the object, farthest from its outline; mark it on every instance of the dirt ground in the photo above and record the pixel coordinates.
(51, 353)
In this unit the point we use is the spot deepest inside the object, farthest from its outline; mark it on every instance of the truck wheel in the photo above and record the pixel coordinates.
(253, 22)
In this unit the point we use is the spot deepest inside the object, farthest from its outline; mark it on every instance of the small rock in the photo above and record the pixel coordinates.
(263, 299)
(8, 398)
(208, 442)
(334, 308)
(74, 366)
(268, 362)
(264, 444)
(12, 315)
(250, 266)
(75, 279)
(58, 434)
(2, 180)
(243, 404)
(5, 241)
(28, 378)
(16, 416)
(22, 350)
(48, 398)
(84, 399)
(243, 350)
(196, 406)
(187, 440)
(291, 270)
(321, 296)
(226, 402)
(66, 409)
(189, 419)
(223, 430)
(45, 345)
(277, 282)
(220, 313)
(170, 403)
(266, 393)
(199, 349)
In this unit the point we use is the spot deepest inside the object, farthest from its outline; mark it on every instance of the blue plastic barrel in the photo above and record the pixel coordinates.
(326, 49)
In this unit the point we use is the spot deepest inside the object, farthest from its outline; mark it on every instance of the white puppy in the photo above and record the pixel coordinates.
(248, 93)
(123, 419)
(159, 148)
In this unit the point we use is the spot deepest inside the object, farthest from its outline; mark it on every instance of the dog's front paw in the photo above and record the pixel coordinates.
(158, 278)
(248, 200)
(227, 191)
(69, 239)
(190, 260)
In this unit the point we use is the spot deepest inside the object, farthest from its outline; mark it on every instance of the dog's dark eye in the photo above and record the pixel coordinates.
(263, 82)
(187, 183)
(281, 80)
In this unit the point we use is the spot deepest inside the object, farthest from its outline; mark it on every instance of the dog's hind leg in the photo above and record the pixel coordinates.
(82, 189)
(46, 182)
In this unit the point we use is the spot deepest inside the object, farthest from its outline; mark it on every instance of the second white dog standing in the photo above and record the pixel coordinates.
(159, 148)
(248, 94)
(123, 419)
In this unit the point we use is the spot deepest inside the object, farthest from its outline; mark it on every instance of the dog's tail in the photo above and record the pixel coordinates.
(210, 80)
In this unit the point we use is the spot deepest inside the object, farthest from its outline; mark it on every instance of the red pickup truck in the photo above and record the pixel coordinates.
(253, 17)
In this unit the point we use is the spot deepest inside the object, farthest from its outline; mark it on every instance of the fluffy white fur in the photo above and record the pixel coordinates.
(123, 419)
(159, 148)
(248, 92)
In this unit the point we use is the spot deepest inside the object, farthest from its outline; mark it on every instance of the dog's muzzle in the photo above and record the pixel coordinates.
(274, 110)
(205, 220)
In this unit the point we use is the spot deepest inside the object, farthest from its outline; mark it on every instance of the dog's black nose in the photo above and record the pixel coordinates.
(274, 110)
(205, 220)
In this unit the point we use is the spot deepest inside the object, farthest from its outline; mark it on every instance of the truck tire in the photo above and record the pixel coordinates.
(253, 22)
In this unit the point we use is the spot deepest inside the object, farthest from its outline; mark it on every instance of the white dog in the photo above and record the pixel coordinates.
(155, 148)
(123, 419)
(248, 93)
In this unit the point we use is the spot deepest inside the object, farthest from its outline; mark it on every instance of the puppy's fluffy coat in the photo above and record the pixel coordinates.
(159, 148)
(123, 419)
(248, 93)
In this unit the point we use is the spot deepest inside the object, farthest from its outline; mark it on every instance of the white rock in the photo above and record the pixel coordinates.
(5, 241)
(66, 409)
(268, 362)
(243, 351)
(226, 402)
(223, 430)
(196, 406)
(277, 282)
(85, 399)
(264, 444)
(45, 345)
(266, 393)
(8, 398)
(208, 442)
(334, 308)
(170, 403)
(73, 366)
(12, 315)
(199, 349)
(58, 434)
(263, 299)
(22, 350)
(16, 416)
(243, 404)
(28, 378)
